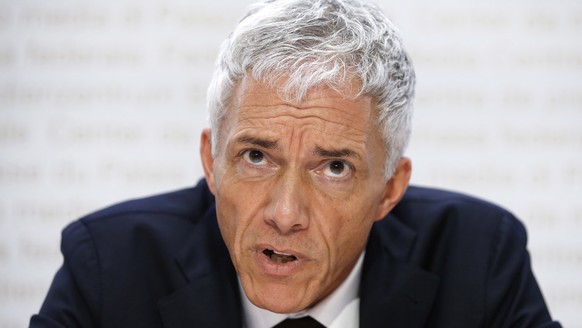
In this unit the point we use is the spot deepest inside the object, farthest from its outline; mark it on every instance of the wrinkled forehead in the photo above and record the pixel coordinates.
(252, 98)
(257, 104)
(250, 86)
(252, 92)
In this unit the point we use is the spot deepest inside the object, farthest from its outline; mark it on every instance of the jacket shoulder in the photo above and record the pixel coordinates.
(443, 198)
(422, 208)
(131, 248)
(155, 226)
(478, 251)
(452, 230)
(184, 204)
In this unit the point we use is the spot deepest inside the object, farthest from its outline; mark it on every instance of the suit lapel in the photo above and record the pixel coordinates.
(210, 297)
(393, 292)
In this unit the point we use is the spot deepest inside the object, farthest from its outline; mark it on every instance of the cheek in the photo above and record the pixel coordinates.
(236, 208)
(346, 231)
(228, 214)
(227, 223)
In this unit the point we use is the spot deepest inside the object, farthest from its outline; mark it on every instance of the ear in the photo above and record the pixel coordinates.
(207, 159)
(395, 188)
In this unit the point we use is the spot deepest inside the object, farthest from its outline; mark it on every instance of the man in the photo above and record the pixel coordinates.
(305, 215)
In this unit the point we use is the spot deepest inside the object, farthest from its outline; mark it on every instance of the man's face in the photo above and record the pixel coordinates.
(297, 189)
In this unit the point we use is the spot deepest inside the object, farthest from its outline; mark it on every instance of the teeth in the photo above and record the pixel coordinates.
(278, 256)
(282, 254)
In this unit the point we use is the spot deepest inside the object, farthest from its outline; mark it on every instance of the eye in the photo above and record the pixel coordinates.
(337, 169)
(255, 157)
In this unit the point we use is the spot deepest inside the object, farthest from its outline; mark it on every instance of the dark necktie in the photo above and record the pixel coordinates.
(305, 322)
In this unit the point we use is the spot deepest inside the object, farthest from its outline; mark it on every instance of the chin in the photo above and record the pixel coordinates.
(282, 306)
(279, 301)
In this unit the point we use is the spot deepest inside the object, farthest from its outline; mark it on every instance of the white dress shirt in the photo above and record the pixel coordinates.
(340, 309)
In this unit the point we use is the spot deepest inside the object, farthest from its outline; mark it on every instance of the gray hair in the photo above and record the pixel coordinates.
(309, 43)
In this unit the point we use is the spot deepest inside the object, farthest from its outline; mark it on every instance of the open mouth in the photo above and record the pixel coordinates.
(279, 257)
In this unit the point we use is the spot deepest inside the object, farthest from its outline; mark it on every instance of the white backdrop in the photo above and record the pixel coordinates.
(104, 100)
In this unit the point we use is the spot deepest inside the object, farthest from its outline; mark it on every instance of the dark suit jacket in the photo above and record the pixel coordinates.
(438, 260)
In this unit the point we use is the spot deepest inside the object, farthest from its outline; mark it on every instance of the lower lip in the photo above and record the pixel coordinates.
(279, 270)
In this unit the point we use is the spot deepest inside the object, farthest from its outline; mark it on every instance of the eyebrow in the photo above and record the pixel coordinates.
(343, 152)
(319, 151)
(264, 143)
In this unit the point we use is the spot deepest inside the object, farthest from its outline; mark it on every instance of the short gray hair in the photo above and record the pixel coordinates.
(320, 42)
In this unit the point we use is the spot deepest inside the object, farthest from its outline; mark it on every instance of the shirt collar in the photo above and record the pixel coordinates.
(326, 311)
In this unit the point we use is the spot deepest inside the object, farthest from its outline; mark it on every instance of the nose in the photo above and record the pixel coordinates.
(286, 211)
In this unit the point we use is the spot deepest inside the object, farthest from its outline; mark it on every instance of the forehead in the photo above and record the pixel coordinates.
(256, 103)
